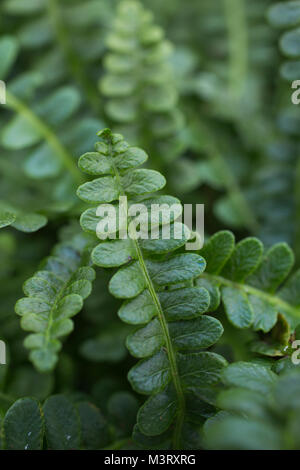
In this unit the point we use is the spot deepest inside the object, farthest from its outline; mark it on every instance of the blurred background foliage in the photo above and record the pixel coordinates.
(211, 106)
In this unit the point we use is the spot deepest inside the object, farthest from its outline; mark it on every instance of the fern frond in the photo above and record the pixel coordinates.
(138, 84)
(53, 296)
(252, 283)
(158, 293)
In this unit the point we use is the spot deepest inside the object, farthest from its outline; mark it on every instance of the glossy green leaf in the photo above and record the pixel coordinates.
(150, 375)
(157, 413)
(274, 268)
(200, 332)
(100, 190)
(127, 282)
(62, 423)
(6, 218)
(237, 307)
(179, 268)
(8, 53)
(115, 253)
(139, 310)
(217, 251)
(185, 303)
(24, 426)
(146, 341)
(244, 260)
(200, 369)
(94, 428)
(284, 14)
(250, 376)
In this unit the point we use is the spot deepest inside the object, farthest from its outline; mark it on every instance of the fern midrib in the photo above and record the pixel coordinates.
(164, 325)
(170, 349)
(65, 157)
(272, 299)
(75, 64)
(53, 307)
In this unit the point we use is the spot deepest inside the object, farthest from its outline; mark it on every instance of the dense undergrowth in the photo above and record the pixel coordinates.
(140, 343)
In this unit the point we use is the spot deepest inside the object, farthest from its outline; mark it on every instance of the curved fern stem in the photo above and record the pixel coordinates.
(170, 350)
(75, 65)
(164, 326)
(65, 157)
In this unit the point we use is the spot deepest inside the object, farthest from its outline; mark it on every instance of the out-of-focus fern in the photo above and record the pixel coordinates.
(31, 129)
(63, 38)
(139, 86)
(286, 17)
(53, 296)
(259, 410)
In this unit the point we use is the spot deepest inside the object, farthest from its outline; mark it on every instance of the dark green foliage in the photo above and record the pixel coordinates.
(202, 91)
(260, 410)
(57, 424)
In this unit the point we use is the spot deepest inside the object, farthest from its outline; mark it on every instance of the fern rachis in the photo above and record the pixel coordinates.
(146, 282)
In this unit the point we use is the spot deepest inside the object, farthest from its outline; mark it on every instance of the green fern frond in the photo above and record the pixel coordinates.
(53, 296)
(138, 83)
(159, 295)
(252, 283)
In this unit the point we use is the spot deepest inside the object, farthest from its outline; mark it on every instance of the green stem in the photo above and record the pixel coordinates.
(118, 444)
(52, 310)
(75, 65)
(237, 28)
(272, 299)
(170, 349)
(46, 132)
(165, 329)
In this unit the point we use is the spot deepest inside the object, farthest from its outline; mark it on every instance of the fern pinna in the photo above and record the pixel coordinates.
(286, 16)
(160, 298)
(53, 295)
